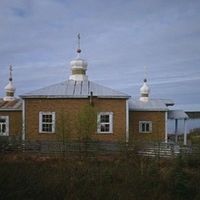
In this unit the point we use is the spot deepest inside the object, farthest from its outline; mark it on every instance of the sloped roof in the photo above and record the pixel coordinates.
(10, 105)
(75, 89)
(151, 105)
(189, 107)
(167, 102)
(177, 114)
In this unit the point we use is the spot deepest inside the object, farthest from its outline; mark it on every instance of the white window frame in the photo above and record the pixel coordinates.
(53, 123)
(145, 123)
(6, 133)
(110, 123)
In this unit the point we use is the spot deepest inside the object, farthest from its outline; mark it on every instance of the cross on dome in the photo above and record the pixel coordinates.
(79, 44)
(11, 69)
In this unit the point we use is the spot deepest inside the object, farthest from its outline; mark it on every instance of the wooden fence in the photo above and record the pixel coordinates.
(151, 149)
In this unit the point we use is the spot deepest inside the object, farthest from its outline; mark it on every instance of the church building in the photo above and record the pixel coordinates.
(79, 108)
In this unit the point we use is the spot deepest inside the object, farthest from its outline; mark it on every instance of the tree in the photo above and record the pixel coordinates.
(64, 126)
(86, 123)
(86, 126)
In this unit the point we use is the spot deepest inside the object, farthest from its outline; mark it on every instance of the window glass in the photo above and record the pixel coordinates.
(4, 126)
(145, 126)
(47, 122)
(105, 122)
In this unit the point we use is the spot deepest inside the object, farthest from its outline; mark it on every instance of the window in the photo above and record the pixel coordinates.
(4, 126)
(105, 122)
(47, 122)
(145, 126)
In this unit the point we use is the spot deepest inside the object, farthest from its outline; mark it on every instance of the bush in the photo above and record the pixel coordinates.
(194, 136)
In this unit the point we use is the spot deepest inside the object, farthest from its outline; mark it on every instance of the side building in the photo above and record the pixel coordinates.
(148, 117)
(10, 112)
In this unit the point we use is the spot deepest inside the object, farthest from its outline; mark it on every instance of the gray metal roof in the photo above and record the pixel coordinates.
(75, 89)
(189, 107)
(151, 105)
(177, 114)
(10, 105)
(167, 102)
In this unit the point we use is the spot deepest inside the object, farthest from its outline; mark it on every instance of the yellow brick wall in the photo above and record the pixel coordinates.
(158, 125)
(15, 122)
(66, 116)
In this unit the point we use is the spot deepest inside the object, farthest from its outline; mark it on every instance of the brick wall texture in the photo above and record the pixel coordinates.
(15, 122)
(67, 112)
(158, 125)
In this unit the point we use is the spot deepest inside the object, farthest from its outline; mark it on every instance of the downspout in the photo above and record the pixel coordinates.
(91, 98)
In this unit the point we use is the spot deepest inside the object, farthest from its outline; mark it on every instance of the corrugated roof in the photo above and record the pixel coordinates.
(151, 105)
(75, 89)
(10, 105)
(177, 114)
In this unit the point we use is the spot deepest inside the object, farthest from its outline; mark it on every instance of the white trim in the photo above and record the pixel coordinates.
(51, 123)
(166, 134)
(78, 77)
(99, 123)
(145, 122)
(7, 125)
(185, 132)
(127, 122)
(176, 130)
(8, 98)
(23, 121)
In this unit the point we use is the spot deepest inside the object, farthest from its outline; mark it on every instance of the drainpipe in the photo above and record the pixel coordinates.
(91, 98)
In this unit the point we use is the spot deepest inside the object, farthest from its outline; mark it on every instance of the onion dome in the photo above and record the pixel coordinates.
(78, 66)
(10, 89)
(144, 91)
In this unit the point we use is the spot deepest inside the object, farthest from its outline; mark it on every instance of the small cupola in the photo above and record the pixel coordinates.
(78, 66)
(144, 91)
(10, 89)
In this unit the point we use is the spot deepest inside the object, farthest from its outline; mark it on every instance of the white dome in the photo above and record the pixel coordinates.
(79, 63)
(78, 69)
(144, 89)
(144, 92)
(10, 90)
(10, 87)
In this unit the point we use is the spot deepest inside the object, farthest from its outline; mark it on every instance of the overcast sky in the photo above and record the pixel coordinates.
(118, 39)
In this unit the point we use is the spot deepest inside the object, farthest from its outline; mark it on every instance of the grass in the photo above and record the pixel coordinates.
(126, 176)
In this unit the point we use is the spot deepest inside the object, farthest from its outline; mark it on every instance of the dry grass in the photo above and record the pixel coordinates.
(124, 176)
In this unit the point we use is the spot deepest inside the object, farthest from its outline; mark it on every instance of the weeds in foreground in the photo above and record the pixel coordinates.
(106, 177)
